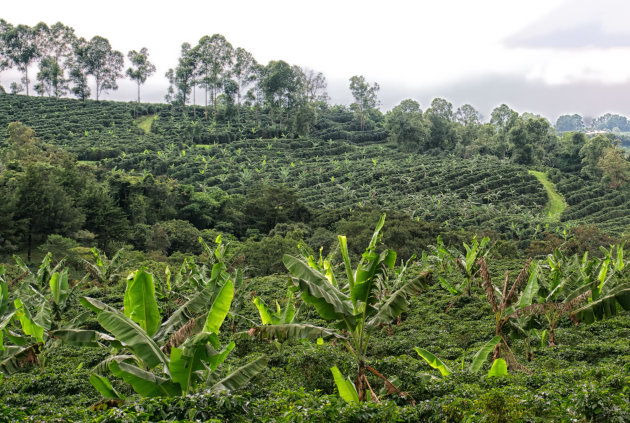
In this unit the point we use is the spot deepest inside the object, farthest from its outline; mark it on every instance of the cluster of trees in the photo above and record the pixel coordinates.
(606, 122)
(524, 139)
(46, 191)
(66, 61)
(229, 76)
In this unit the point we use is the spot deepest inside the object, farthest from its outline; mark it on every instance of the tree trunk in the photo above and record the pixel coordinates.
(238, 102)
(194, 93)
(138, 92)
(26, 78)
(30, 243)
(359, 381)
(205, 113)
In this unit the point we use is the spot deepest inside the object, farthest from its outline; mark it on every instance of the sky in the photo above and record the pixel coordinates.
(549, 57)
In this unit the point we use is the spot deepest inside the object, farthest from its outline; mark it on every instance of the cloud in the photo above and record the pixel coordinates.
(591, 34)
(577, 24)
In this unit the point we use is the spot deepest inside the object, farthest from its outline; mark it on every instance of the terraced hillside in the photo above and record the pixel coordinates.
(328, 173)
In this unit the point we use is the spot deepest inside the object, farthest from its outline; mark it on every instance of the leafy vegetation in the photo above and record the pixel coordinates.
(113, 308)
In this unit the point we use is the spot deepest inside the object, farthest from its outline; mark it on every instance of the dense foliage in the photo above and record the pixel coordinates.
(114, 308)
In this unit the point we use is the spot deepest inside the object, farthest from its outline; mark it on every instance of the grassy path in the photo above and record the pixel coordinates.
(145, 122)
(556, 204)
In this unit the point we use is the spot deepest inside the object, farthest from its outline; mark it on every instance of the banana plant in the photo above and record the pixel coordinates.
(190, 349)
(558, 277)
(352, 303)
(281, 316)
(605, 284)
(477, 361)
(467, 264)
(102, 270)
(37, 317)
(6, 310)
(506, 303)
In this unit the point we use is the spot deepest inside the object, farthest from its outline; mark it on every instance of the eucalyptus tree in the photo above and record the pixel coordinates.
(244, 72)
(103, 63)
(279, 83)
(21, 49)
(182, 78)
(467, 115)
(141, 68)
(365, 97)
(4, 58)
(78, 70)
(313, 93)
(56, 48)
(215, 59)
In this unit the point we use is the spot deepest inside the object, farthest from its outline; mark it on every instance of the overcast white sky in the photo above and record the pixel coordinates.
(544, 56)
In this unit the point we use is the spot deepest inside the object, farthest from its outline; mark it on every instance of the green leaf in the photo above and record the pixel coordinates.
(3, 324)
(347, 390)
(183, 367)
(4, 296)
(450, 288)
(193, 307)
(80, 337)
(293, 331)
(266, 317)
(605, 307)
(59, 287)
(12, 362)
(482, 354)
(133, 336)
(29, 327)
(433, 361)
(241, 376)
(145, 383)
(499, 368)
(95, 305)
(220, 308)
(532, 287)
(329, 301)
(102, 385)
(343, 246)
(140, 303)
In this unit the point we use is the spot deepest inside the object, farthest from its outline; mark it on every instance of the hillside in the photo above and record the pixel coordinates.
(158, 266)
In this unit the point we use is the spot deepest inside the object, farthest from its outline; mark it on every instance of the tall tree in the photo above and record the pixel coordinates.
(56, 53)
(44, 205)
(78, 69)
(181, 79)
(279, 83)
(216, 55)
(5, 61)
(103, 63)
(443, 133)
(567, 123)
(467, 115)
(244, 71)
(502, 117)
(365, 97)
(314, 85)
(407, 126)
(591, 152)
(142, 68)
(21, 49)
(614, 167)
